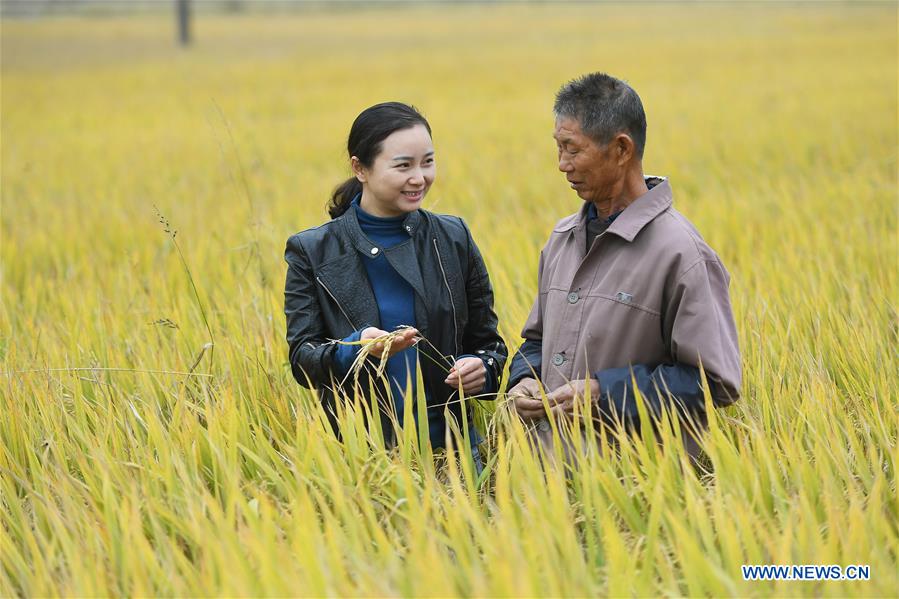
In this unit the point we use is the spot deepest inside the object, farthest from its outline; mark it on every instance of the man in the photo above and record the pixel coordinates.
(629, 294)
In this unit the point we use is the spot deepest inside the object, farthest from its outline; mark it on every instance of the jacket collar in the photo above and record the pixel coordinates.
(401, 257)
(349, 220)
(636, 216)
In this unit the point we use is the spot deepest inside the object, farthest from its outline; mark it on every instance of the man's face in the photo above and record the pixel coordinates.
(592, 171)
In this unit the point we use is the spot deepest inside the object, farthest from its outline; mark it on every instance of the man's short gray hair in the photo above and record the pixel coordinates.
(604, 106)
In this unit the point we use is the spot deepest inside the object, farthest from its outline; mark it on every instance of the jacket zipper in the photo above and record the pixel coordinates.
(325, 287)
(452, 303)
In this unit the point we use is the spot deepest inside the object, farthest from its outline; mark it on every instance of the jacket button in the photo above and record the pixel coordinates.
(374, 251)
(573, 297)
(558, 359)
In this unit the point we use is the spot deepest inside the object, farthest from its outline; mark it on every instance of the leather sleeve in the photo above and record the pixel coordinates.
(481, 337)
(311, 351)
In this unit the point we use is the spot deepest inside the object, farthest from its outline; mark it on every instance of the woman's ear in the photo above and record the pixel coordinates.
(358, 169)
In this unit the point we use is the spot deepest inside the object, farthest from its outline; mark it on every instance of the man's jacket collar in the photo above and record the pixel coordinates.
(636, 216)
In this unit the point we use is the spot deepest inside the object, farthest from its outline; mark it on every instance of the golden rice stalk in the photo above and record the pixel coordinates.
(367, 346)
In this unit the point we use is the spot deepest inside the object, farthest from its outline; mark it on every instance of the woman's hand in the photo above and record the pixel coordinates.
(469, 373)
(404, 340)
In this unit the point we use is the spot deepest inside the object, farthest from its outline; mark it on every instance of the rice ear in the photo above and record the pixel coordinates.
(365, 350)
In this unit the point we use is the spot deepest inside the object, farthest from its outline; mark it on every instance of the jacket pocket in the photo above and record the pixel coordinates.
(627, 299)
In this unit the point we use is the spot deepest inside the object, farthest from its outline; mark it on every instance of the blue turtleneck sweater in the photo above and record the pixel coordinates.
(396, 306)
(395, 298)
(396, 302)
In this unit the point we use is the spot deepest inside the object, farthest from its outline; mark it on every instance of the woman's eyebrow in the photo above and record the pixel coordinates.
(427, 154)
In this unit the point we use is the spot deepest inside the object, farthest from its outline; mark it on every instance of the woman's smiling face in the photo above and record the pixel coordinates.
(400, 174)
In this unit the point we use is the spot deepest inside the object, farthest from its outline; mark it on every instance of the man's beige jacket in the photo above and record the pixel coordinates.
(649, 291)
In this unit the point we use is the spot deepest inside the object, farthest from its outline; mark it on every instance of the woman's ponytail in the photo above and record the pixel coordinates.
(369, 130)
(343, 195)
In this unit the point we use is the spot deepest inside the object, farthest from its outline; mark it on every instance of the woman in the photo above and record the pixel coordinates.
(381, 263)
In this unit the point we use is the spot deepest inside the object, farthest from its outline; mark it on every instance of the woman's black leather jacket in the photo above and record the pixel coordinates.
(327, 296)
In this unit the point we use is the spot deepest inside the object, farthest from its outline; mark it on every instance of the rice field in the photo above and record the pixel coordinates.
(153, 441)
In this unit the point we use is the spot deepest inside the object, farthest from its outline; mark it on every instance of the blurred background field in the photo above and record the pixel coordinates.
(777, 126)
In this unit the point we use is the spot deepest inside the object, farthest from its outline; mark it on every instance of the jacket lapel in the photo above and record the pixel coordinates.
(403, 258)
(404, 261)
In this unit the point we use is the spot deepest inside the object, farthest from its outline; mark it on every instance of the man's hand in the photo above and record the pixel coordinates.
(404, 340)
(468, 372)
(564, 399)
(526, 399)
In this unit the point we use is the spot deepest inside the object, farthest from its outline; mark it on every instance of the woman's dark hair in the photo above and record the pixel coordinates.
(369, 130)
